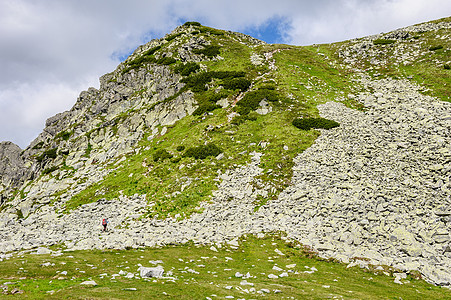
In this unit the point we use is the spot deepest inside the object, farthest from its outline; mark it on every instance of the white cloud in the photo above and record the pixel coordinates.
(52, 50)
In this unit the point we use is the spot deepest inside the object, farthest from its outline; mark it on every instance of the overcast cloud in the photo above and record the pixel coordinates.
(51, 50)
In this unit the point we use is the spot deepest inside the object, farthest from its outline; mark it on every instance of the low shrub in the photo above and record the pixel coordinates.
(438, 47)
(47, 154)
(180, 148)
(65, 135)
(175, 159)
(208, 50)
(51, 153)
(197, 82)
(161, 154)
(241, 119)
(19, 214)
(447, 67)
(252, 100)
(212, 96)
(309, 123)
(187, 69)
(211, 30)
(227, 74)
(267, 87)
(202, 151)
(38, 145)
(166, 61)
(151, 51)
(205, 107)
(383, 42)
(241, 84)
(173, 36)
(192, 24)
(49, 170)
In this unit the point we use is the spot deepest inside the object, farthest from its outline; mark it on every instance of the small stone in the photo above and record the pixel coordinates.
(244, 282)
(89, 282)
(279, 252)
(272, 276)
(276, 268)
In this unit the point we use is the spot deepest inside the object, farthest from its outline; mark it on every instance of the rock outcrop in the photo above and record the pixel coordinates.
(12, 167)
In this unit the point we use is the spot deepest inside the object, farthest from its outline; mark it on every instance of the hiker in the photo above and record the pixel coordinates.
(104, 223)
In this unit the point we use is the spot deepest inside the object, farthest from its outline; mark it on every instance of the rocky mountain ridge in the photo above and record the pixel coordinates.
(377, 187)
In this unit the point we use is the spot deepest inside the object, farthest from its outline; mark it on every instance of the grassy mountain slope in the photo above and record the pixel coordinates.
(170, 123)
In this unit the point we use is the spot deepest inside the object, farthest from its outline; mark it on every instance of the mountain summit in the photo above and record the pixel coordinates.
(206, 135)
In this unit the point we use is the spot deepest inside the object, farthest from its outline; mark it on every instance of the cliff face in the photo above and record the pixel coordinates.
(12, 167)
(191, 138)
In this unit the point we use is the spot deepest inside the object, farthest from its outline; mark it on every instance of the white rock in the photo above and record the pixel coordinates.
(145, 272)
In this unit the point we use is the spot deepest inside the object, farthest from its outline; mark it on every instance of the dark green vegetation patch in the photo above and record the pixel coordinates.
(64, 135)
(309, 123)
(213, 31)
(187, 68)
(173, 36)
(241, 84)
(38, 145)
(197, 82)
(251, 100)
(166, 60)
(161, 154)
(434, 48)
(49, 170)
(187, 24)
(205, 107)
(383, 42)
(51, 154)
(202, 151)
(209, 51)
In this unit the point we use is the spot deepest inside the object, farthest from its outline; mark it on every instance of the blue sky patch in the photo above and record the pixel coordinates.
(272, 31)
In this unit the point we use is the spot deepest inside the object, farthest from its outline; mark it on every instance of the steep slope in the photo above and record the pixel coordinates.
(191, 139)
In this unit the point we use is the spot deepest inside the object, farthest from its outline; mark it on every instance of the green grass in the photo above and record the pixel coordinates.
(199, 272)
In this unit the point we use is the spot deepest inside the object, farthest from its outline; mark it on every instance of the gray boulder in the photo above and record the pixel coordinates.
(146, 272)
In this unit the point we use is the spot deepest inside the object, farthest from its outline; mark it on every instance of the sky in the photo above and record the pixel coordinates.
(51, 50)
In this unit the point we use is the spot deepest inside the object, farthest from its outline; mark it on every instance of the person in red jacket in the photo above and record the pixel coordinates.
(104, 223)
